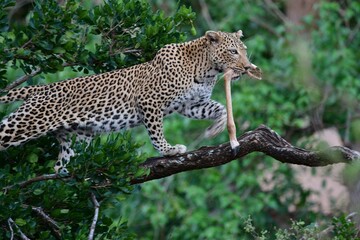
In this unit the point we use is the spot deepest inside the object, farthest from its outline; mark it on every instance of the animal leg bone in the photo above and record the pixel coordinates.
(230, 119)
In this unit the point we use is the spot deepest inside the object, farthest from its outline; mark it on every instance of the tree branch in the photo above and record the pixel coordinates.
(46, 177)
(96, 216)
(49, 221)
(10, 222)
(22, 79)
(206, 14)
(265, 26)
(262, 139)
(22, 235)
(276, 11)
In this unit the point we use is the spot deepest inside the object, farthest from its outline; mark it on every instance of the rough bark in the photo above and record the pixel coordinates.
(262, 139)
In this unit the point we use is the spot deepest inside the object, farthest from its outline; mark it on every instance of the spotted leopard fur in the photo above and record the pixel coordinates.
(179, 79)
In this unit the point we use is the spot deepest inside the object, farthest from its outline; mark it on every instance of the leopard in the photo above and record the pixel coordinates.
(179, 79)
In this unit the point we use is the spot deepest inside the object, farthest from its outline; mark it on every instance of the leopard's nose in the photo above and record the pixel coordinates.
(252, 66)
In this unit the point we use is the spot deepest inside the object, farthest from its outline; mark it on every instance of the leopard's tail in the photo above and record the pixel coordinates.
(18, 94)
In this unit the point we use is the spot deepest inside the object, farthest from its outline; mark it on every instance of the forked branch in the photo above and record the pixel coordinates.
(11, 223)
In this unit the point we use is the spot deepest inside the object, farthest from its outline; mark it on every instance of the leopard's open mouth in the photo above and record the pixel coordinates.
(253, 71)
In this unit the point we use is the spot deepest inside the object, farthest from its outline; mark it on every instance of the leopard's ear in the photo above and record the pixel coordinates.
(239, 34)
(213, 37)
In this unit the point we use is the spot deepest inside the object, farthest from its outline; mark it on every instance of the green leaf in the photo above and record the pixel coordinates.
(64, 211)
(193, 31)
(59, 50)
(20, 222)
(38, 191)
(33, 158)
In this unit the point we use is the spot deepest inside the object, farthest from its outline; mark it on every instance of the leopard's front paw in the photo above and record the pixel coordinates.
(60, 168)
(177, 149)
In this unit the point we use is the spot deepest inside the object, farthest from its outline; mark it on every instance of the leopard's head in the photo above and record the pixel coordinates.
(227, 51)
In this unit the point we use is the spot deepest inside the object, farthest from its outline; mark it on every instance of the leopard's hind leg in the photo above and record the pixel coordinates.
(38, 116)
(66, 152)
(31, 120)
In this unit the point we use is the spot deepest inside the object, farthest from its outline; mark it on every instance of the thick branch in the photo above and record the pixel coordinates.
(262, 139)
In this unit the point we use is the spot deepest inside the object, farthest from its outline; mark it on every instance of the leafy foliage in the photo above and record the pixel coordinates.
(104, 169)
(339, 228)
(344, 228)
(100, 38)
(70, 40)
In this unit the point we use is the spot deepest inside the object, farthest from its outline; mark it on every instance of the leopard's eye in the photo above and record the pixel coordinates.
(233, 51)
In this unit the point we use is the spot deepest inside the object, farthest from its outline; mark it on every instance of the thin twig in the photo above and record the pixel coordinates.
(96, 216)
(22, 79)
(206, 14)
(68, 64)
(324, 234)
(353, 33)
(11, 230)
(266, 26)
(133, 51)
(27, 43)
(37, 179)
(22, 235)
(351, 215)
(119, 24)
(51, 222)
(347, 126)
(273, 7)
